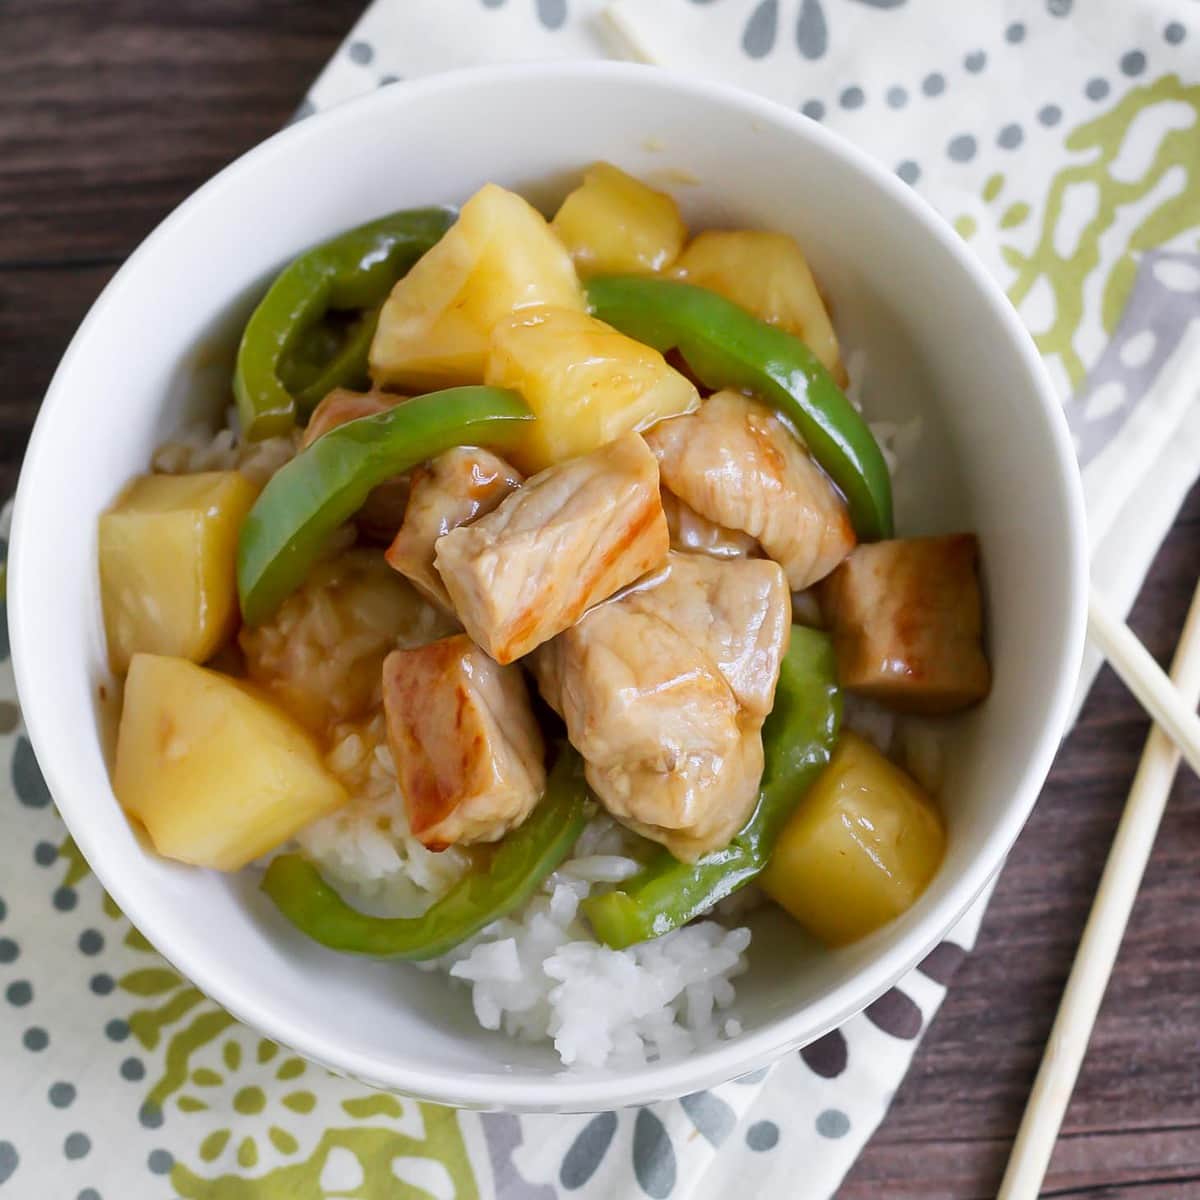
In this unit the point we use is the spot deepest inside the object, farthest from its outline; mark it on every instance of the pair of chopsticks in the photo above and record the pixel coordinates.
(1172, 704)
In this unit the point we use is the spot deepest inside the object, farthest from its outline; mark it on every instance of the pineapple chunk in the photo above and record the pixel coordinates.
(215, 772)
(168, 551)
(614, 223)
(499, 257)
(586, 383)
(859, 849)
(767, 274)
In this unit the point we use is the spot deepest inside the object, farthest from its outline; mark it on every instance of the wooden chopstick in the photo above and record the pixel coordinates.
(1145, 679)
(1102, 935)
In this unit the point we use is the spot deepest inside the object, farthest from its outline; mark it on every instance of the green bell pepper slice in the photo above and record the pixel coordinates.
(520, 862)
(798, 738)
(727, 347)
(354, 271)
(289, 525)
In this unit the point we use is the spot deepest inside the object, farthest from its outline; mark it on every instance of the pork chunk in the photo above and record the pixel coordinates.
(468, 753)
(383, 510)
(454, 489)
(571, 537)
(694, 534)
(907, 622)
(739, 466)
(663, 690)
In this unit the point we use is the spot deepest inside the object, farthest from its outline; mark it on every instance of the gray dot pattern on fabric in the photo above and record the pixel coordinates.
(102, 984)
(587, 1151)
(91, 941)
(1015, 33)
(9, 950)
(35, 1038)
(9, 1158)
(813, 109)
(150, 1116)
(133, 1070)
(19, 993)
(65, 899)
(934, 84)
(896, 1013)
(852, 97)
(828, 1055)
(962, 148)
(653, 1156)
(1010, 137)
(1133, 63)
(762, 1136)
(758, 38)
(833, 1123)
(712, 1117)
(753, 1077)
(1058, 8)
(941, 962)
(552, 13)
(1174, 33)
(88, 1194)
(975, 61)
(361, 52)
(116, 1030)
(909, 171)
(1050, 114)
(77, 1145)
(812, 34)
(27, 777)
(62, 1095)
(44, 854)
(1096, 89)
(160, 1161)
(896, 97)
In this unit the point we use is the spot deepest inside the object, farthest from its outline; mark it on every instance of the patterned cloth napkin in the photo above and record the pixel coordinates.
(1063, 142)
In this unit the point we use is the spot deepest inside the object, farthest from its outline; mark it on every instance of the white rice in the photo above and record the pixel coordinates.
(541, 975)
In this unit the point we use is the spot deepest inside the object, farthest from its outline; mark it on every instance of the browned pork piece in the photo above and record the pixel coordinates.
(737, 464)
(454, 489)
(664, 689)
(380, 516)
(695, 534)
(468, 752)
(571, 537)
(342, 405)
(907, 623)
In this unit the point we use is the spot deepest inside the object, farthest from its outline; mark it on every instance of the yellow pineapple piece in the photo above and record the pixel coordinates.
(859, 849)
(497, 259)
(767, 274)
(586, 383)
(613, 223)
(215, 772)
(168, 550)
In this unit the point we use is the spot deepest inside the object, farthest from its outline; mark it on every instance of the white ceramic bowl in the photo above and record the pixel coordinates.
(941, 341)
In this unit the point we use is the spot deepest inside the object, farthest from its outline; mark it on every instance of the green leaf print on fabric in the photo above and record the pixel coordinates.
(1174, 170)
(367, 1174)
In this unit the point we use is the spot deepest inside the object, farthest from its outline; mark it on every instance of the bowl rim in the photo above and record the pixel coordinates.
(724, 1059)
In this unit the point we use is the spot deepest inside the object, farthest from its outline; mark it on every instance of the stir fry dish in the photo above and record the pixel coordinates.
(545, 573)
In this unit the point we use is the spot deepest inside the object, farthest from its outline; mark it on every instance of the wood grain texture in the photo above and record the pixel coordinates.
(112, 112)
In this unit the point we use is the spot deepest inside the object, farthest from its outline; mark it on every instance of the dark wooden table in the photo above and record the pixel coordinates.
(111, 113)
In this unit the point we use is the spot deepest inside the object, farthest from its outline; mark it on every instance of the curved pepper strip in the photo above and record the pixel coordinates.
(524, 858)
(355, 270)
(727, 347)
(798, 738)
(303, 503)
